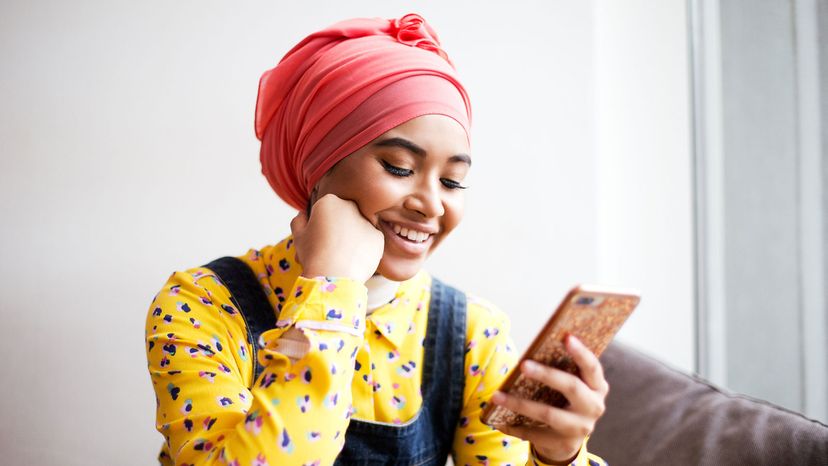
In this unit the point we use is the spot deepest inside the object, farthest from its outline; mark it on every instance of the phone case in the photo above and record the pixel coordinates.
(591, 313)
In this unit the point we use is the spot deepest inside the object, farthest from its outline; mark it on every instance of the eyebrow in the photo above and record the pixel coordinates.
(417, 150)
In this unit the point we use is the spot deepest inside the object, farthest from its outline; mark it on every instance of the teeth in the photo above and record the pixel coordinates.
(411, 235)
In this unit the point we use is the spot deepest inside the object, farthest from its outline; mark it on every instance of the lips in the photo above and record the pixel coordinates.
(407, 238)
(410, 233)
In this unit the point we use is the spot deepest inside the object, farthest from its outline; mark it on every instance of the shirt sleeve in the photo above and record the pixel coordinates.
(198, 358)
(490, 356)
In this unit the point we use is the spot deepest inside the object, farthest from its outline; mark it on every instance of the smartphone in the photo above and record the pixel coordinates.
(593, 314)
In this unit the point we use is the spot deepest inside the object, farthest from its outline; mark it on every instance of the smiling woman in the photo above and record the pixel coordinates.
(414, 195)
(334, 345)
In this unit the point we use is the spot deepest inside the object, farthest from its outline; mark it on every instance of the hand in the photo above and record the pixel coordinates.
(560, 442)
(337, 241)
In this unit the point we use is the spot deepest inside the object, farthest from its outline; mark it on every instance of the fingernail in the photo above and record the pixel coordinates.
(498, 398)
(573, 340)
(530, 366)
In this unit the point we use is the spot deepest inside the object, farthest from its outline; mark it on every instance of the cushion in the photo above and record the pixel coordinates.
(658, 415)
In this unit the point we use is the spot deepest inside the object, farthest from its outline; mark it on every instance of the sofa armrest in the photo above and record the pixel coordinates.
(658, 415)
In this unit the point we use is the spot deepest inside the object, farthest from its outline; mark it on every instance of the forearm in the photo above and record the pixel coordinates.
(296, 412)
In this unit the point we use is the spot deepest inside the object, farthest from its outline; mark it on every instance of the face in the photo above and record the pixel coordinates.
(408, 183)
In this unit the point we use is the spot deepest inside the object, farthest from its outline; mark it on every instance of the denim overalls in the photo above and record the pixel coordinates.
(424, 440)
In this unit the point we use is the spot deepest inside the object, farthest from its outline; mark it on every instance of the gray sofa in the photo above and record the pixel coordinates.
(657, 415)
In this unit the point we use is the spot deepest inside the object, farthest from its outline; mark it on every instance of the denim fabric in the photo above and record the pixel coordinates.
(247, 295)
(424, 440)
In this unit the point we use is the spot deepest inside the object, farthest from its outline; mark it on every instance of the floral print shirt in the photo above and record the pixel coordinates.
(357, 366)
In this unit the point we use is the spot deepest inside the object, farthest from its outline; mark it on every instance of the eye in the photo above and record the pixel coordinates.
(451, 184)
(396, 171)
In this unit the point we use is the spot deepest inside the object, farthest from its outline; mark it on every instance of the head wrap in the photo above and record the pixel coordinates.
(342, 87)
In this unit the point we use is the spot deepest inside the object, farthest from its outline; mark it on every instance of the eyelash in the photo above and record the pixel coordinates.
(403, 172)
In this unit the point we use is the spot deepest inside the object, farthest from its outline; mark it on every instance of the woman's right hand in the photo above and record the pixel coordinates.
(336, 241)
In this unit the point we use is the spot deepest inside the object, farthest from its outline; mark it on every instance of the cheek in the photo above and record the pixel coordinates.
(377, 195)
(454, 212)
(371, 193)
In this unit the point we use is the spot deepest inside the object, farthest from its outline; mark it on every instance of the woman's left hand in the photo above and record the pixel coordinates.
(560, 443)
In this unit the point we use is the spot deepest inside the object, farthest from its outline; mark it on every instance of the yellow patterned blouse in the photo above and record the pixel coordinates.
(199, 363)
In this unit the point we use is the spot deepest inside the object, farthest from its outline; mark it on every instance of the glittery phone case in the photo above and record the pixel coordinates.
(591, 313)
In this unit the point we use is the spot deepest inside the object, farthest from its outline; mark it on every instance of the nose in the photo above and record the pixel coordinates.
(426, 199)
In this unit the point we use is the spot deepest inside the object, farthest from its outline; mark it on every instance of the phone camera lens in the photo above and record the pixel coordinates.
(585, 300)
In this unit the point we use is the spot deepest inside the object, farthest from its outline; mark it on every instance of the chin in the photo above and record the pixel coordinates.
(399, 270)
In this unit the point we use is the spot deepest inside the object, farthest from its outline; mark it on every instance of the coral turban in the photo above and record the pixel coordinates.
(342, 87)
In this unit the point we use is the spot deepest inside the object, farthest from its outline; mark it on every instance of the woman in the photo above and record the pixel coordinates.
(360, 355)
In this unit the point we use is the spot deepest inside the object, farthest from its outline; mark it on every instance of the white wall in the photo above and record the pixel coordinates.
(644, 185)
(127, 152)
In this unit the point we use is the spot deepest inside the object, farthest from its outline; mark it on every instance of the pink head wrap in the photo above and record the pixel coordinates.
(342, 87)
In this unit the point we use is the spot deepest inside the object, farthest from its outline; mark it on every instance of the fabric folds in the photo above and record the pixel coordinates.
(342, 87)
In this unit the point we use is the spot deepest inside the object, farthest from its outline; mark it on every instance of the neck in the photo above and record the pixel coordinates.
(380, 291)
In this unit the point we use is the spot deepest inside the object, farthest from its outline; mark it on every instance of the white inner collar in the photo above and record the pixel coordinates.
(380, 291)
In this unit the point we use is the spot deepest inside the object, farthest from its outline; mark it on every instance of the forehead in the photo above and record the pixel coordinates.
(437, 134)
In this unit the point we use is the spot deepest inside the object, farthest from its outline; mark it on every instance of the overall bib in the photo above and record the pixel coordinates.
(427, 438)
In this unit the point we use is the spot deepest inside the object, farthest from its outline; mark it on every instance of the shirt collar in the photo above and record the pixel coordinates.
(397, 301)
(393, 318)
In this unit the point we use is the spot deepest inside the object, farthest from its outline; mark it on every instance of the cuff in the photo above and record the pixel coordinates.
(322, 303)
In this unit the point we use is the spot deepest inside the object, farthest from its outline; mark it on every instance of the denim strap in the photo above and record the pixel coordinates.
(445, 350)
(247, 294)
(427, 439)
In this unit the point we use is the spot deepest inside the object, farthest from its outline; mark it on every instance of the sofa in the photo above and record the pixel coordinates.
(658, 415)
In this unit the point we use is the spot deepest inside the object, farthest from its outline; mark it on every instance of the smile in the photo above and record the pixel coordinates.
(410, 234)
(410, 242)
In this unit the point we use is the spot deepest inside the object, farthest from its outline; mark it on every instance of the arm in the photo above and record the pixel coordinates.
(298, 410)
(489, 359)
(296, 413)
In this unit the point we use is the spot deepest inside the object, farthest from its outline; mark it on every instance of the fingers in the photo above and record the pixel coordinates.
(346, 202)
(297, 225)
(563, 429)
(565, 422)
(591, 371)
(582, 399)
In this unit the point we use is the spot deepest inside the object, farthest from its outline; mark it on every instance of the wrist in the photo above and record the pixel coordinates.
(550, 458)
